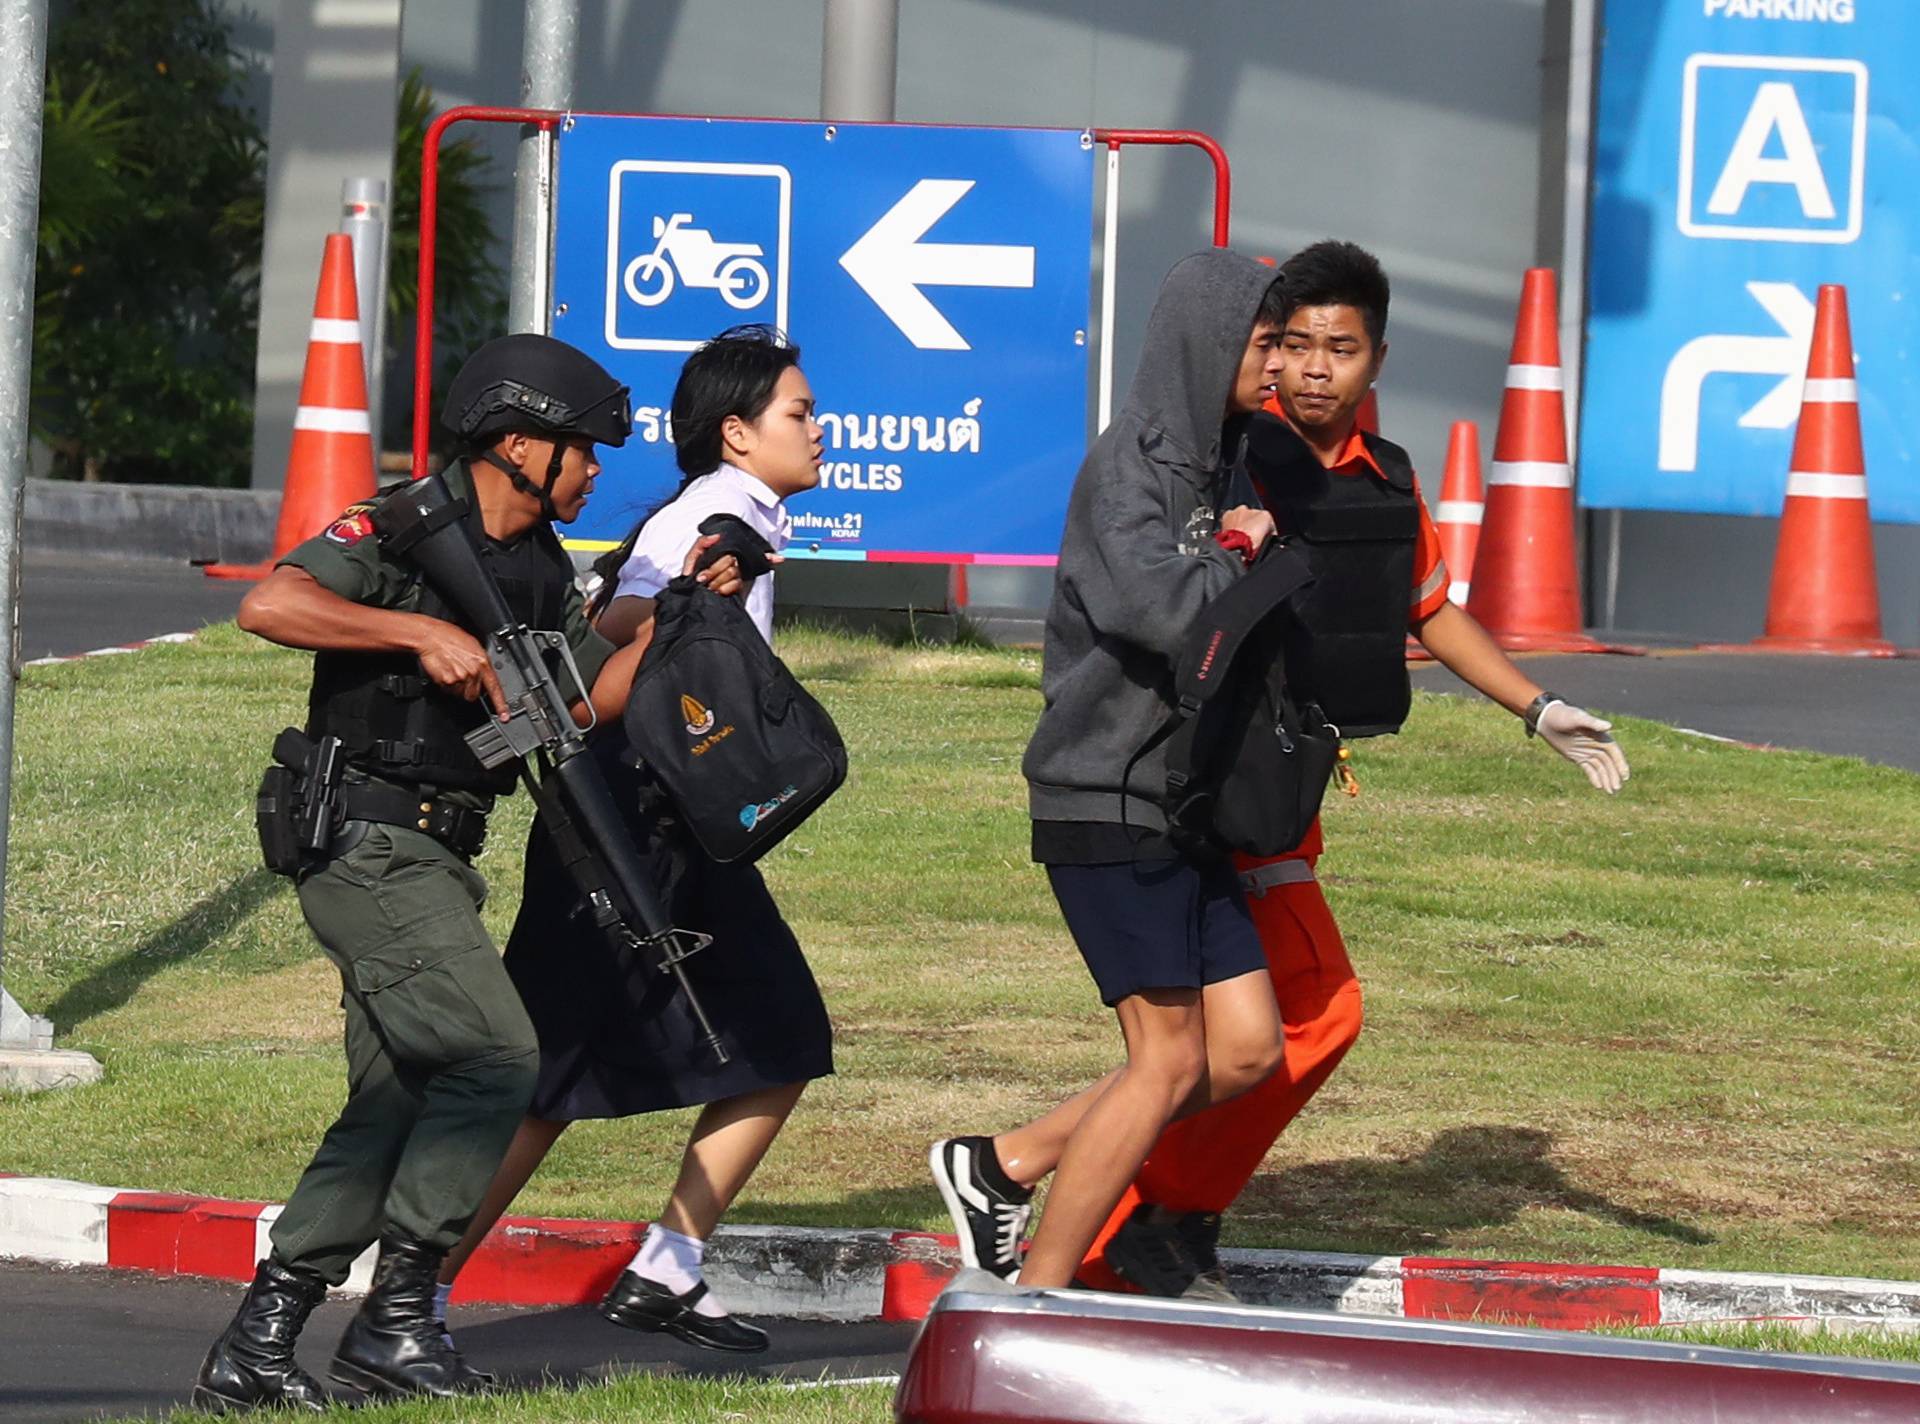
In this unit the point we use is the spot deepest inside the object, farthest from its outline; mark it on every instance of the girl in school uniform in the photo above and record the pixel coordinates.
(616, 1038)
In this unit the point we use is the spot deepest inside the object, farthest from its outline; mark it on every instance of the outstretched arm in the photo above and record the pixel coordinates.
(1466, 650)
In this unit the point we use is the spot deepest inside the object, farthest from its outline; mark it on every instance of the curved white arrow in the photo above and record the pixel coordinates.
(891, 264)
(1784, 356)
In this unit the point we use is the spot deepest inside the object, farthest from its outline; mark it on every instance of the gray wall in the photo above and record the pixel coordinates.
(1412, 126)
(1429, 130)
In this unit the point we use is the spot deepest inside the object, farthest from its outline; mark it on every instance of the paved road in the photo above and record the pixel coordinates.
(69, 604)
(1864, 707)
(1861, 707)
(79, 1344)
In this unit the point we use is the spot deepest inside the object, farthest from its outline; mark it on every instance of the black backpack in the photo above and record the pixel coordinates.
(741, 749)
(1246, 766)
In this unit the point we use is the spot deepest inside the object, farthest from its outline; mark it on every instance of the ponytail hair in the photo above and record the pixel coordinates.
(733, 374)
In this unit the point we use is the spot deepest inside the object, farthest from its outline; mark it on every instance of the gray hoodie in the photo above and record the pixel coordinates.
(1138, 560)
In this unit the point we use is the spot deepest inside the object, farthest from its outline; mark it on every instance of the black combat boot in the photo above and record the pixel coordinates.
(394, 1345)
(251, 1365)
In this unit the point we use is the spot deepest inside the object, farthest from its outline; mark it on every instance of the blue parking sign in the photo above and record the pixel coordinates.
(1746, 153)
(937, 281)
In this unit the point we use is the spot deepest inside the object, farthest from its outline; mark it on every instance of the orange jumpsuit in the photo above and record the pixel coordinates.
(1203, 1162)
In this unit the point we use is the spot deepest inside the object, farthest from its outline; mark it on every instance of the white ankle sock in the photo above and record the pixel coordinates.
(440, 1295)
(669, 1259)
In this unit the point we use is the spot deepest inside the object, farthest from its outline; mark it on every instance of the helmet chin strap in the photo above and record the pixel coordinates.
(543, 493)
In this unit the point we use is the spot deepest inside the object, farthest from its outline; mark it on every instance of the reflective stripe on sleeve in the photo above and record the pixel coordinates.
(1432, 584)
(1279, 872)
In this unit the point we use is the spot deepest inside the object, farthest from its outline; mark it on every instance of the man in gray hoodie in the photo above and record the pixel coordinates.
(1168, 940)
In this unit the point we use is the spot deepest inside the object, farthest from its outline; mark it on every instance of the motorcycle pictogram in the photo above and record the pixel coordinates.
(726, 267)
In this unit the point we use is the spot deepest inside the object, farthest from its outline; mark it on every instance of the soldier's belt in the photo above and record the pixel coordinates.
(461, 829)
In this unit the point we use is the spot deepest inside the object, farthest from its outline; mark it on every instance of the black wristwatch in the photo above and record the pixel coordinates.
(1534, 708)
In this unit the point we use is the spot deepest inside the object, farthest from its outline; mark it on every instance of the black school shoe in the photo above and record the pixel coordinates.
(640, 1304)
(1171, 1254)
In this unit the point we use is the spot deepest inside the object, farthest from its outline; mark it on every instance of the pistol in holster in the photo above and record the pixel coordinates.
(297, 809)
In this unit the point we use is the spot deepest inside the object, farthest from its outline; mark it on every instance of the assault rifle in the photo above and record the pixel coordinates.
(423, 523)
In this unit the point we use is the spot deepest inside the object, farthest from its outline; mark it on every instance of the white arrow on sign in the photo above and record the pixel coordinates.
(891, 264)
(1784, 356)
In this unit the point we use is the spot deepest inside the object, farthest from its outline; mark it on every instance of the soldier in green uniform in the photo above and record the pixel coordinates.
(441, 1057)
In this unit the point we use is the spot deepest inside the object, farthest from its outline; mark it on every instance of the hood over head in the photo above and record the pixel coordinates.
(1191, 353)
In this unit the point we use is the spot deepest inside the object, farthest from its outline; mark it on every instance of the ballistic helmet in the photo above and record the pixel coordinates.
(537, 385)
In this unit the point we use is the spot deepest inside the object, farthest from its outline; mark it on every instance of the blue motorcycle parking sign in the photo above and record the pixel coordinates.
(938, 283)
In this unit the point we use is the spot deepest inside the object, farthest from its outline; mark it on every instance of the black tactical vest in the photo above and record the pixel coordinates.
(1347, 651)
(397, 725)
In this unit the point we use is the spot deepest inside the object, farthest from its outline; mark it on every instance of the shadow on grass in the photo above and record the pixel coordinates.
(1464, 1179)
(115, 982)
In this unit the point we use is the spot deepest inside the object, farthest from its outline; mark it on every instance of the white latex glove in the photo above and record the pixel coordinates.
(1584, 740)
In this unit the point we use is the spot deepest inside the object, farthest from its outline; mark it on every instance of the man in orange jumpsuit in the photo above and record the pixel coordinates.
(1162, 1237)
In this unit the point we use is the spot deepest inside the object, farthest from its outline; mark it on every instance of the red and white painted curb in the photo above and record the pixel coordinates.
(803, 1272)
(114, 651)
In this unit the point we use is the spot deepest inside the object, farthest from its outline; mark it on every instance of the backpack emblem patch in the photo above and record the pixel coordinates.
(699, 719)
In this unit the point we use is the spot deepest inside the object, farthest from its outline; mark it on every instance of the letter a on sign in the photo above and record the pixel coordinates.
(1776, 110)
(1772, 148)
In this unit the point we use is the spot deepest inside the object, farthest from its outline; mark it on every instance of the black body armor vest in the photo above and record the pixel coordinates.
(397, 725)
(1347, 650)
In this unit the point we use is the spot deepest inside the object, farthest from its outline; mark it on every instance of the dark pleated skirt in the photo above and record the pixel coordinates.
(616, 1035)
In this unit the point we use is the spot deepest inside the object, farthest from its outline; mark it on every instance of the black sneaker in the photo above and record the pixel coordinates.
(1200, 1230)
(988, 1219)
(1171, 1254)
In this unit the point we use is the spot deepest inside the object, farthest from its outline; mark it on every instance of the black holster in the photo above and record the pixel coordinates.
(296, 810)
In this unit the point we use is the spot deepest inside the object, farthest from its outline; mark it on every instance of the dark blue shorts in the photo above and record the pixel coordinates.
(1161, 924)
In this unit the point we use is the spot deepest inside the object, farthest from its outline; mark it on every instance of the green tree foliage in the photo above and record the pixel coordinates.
(469, 285)
(147, 296)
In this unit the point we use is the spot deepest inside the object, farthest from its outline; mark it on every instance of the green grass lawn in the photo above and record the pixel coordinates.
(655, 1398)
(1676, 1027)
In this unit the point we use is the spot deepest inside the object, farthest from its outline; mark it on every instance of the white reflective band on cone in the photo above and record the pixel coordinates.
(1535, 378)
(1815, 486)
(1457, 593)
(1837, 390)
(1534, 474)
(335, 331)
(1459, 511)
(334, 422)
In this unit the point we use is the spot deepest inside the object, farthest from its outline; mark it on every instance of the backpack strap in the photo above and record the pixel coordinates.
(1225, 623)
(1211, 646)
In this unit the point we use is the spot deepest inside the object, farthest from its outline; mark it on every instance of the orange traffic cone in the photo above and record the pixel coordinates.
(1525, 590)
(1825, 598)
(1462, 503)
(331, 462)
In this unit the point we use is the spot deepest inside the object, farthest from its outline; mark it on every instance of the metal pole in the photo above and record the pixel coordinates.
(363, 217)
(1109, 276)
(859, 60)
(26, 1041)
(1582, 59)
(546, 82)
(23, 37)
